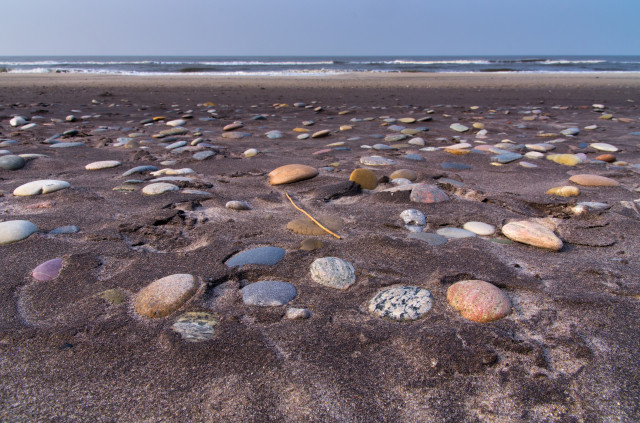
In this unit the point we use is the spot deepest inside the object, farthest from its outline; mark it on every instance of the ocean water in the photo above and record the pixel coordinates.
(321, 65)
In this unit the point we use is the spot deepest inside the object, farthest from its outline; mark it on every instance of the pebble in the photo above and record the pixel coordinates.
(564, 191)
(417, 141)
(424, 193)
(401, 303)
(104, 164)
(455, 233)
(455, 166)
(303, 136)
(16, 230)
(140, 169)
(478, 301)
(232, 126)
(44, 186)
(164, 296)
(250, 152)
(532, 233)
(11, 162)
(415, 157)
(507, 157)
(67, 145)
(274, 135)
(261, 255)
(608, 157)
(603, 146)
(401, 181)
(196, 326)
(459, 127)
(565, 159)
(237, 205)
(366, 178)
(413, 217)
(203, 155)
(407, 120)
(235, 135)
(541, 147)
(396, 138)
(159, 188)
(333, 272)
(570, 131)
(290, 173)
(17, 121)
(381, 147)
(320, 134)
(534, 155)
(176, 144)
(404, 173)
(176, 122)
(305, 226)
(171, 132)
(376, 161)
(62, 230)
(268, 293)
(48, 270)
(430, 238)
(480, 228)
(294, 313)
(593, 180)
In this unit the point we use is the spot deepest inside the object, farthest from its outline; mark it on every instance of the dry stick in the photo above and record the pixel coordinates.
(311, 217)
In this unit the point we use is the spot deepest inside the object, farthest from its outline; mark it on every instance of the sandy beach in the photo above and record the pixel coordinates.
(98, 334)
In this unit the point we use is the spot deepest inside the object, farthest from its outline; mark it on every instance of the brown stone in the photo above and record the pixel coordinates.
(594, 180)
(609, 158)
(291, 173)
(366, 178)
(164, 296)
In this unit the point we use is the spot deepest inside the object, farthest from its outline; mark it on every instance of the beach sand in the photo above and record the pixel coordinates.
(75, 348)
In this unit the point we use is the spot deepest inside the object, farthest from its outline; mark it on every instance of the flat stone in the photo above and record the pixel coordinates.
(478, 301)
(480, 228)
(376, 161)
(366, 178)
(507, 157)
(420, 142)
(424, 193)
(251, 152)
(541, 147)
(203, 155)
(294, 313)
(455, 233)
(396, 137)
(320, 134)
(402, 303)
(48, 270)
(67, 144)
(303, 136)
(290, 173)
(235, 135)
(532, 233)
(416, 157)
(232, 126)
(268, 293)
(237, 205)
(430, 238)
(175, 145)
(459, 127)
(594, 181)
(44, 186)
(176, 122)
(140, 169)
(305, 226)
(455, 166)
(267, 256)
(103, 164)
(196, 326)
(274, 135)
(570, 131)
(608, 157)
(62, 230)
(16, 230)
(382, 147)
(564, 191)
(534, 155)
(164, 296)
(12, 162)
(565, 159)
(603, 146)
(404, 173)
(159, 188)
(333, 272)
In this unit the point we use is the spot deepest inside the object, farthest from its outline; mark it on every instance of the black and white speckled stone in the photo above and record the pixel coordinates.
(401, 303)
(333, 272)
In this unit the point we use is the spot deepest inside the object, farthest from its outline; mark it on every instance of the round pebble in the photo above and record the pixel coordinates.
(594, 181)
(16, 230)
(294, 313)
(237, 205)
(261, 255)
(478, 301)
(366, 178)
(404, 173)
(163, 296)
(333, 272)
(268, 293)
(403, 303)
(250, 152)
(413, 217)
(424, 193)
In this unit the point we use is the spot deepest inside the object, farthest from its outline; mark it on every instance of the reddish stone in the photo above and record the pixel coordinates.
(478, 301)
(424, 193)
(609, 158)
(48, 270)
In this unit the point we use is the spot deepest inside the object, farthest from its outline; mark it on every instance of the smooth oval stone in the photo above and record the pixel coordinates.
(164, 296)
(565, 159)
(11, 162)
(333, 272)
(16, 230)
(413, 217)
(455, 233)
(424, 193)
(320, 134)
(303, 136)
(250, 152)
(71, 229)
(262, 255)
(104, 164)
(376, 161)
(480, 228)
(570, 131)
(268, 293)
(196, 326)
(176, 122)
(67, 144)
(395, 138)
(431, 239)
(235, 135)
(564, 191)
(416, 157)
(17, 121)
(458, 127)
(417, 141)
(44, 186)
(534, 155)
(603, 146)
(532, 233)
(274, 135)
(158, 188)
(404, 173)
(401, 181)
(402, 303)
(608, 157)
(175, 145)
(507, 157)
(366, 178)
(305, 226)
(232, 126)
(48, 270)
(540, 147)
(140, 169)
(295, 313)
(203, 155)
(381, 147)
(594, 181)
(290, 173)
(237, 205)
(478, 301)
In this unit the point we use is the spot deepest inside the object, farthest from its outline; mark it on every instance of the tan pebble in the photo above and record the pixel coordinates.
(564, 191)
(457, 151)
(407, 120)
(346, 128)
(404, 173)
(532, 233)
(163, 296)
(300, 130)
(321, 134)
(478, 125)
(291, 173)
(366, 178)
(594, 180)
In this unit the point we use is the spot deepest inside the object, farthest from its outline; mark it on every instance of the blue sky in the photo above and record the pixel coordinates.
(320, 27)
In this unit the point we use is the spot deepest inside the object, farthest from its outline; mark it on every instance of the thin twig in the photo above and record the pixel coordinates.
(311, 217)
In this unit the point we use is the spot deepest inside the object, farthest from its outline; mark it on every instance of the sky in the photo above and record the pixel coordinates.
(320, 27)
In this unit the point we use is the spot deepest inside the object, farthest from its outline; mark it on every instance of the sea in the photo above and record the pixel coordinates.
(314, 65)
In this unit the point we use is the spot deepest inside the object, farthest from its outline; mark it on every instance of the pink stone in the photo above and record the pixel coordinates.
(48, 270)
(478, 301)
(532, 233)
(424, 193)
(594, 181)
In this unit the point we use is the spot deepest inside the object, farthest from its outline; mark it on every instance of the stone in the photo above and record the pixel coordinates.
(250, 152)
(396, 137)
(305, 226)
(237, 205)
(478, 301)
(459, 127)
(480, 228)
(333, 272)
(455, 233)
(413, 217)
(294, 313)
(507, 157)
(570, 131)
(608, 157)
(541, 147)
(376, 161)
(17, 121)
(175, 145)
(424, 193)
(416, 157)
(303, 136)
(268, 293)
(291, 173)
(420, 142)
(564, 191)
(565, 159)
(310, 244)
(593, 180)
(44, 186)
(534, 155)
(16, 230)
(159, 188)
(140, 169)
(407, 120)
(235, 135)
(430, 238)
(274, 135)
(455, 166)
(382, 147)
(603, 146)
(401, 303)
(203, 155)
(267, 256)
(171, 132)
(196, 326)
(63, 230)
(232, 126)
(401, 181)
(366, 178)
(320, 134)
(48, 270)
(67, 145)
(164, 296)
(104, 164)
(532, 233)
(176, 122)
(11, 162)
(404, 173)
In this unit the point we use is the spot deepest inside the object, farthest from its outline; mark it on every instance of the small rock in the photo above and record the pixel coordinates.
(565, 159)
(404, 173)
(250, 152)
(48, 270)
(196, 326)
(17, 121)
(267, 256)
(45, 186)
(159, 188)
(478, 301)
(288, 174)
(11, 162)
(609, 158)
(603, 146)
(564, 191)
(104, 164)
(232, 126)
(297, 313)
(455, 233)
(424, 193)
(594, 181)
(532, 233)
(274, 135)
(570, 131)
(203, 155)
(321, 134)
(366, 178)
(164, 296)
(376, 161)
(413, 217)
(459, 127)
(237, 205)
(480, 228)
(402, 303)
(333, 272)
(16, 230)
(268, 293)
(176, 122)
